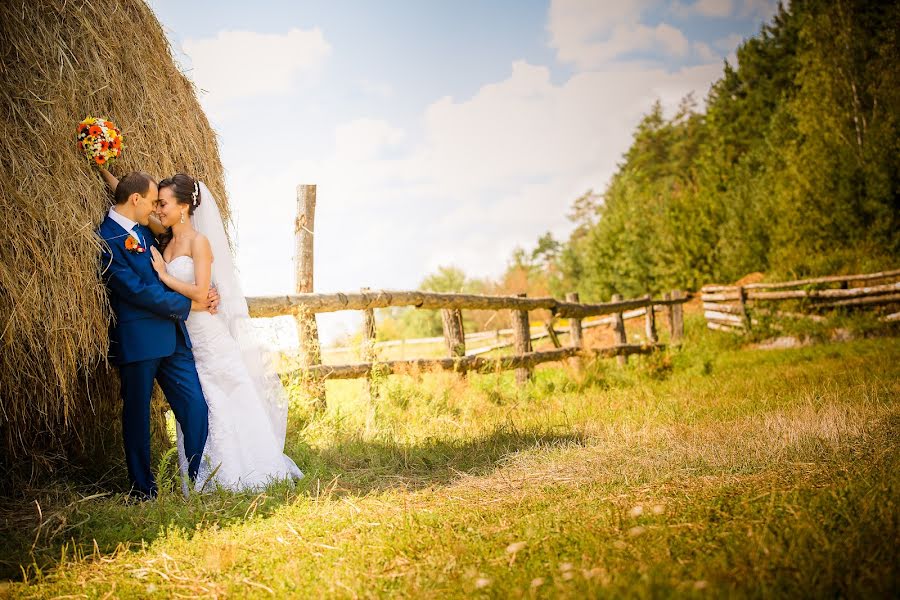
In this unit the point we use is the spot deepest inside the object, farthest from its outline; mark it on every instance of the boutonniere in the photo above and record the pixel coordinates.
(133, 246)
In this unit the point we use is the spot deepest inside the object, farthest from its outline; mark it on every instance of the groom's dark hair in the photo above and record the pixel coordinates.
(136, 182)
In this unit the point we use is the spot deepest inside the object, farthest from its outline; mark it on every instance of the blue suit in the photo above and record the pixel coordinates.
(148, 340)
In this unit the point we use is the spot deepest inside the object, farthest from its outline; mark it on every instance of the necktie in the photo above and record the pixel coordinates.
(137, 235)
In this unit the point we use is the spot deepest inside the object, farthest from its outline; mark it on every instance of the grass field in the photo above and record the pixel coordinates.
(712, 470)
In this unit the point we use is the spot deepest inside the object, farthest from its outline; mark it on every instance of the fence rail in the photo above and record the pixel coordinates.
(273, 306)
(502, 337)
(475, 363)
(728, 307)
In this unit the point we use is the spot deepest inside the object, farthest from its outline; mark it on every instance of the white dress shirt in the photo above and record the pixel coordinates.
(126, 223)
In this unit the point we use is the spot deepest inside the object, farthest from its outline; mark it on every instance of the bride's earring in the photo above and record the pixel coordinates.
(182, 216)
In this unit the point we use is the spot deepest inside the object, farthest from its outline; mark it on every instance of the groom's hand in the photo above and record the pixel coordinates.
(213, 299)
(210, 305)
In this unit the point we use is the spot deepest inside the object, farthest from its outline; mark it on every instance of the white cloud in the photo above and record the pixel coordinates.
(590, 34)
(704, 52)
(729, 43)
(237, 64)
(364, 138)
(526, 128)
(378, 89)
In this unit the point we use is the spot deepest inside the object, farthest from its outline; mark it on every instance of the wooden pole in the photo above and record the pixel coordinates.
(479, 363)
(307, 329)
(668, 309)
(272, 306)
(742, 303)
(454, 336)
(367, 351)
(551, 332)
(619, 330)
(521, 341)
(842, 279)
(577, 336)
(650, 324)
(677, 315)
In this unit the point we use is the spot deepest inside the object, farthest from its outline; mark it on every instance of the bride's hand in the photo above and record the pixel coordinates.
(159, 265)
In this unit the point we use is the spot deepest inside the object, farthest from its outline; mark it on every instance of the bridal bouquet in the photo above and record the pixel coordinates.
(100, 140)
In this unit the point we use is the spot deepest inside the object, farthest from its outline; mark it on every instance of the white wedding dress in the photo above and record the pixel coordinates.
(247, 409)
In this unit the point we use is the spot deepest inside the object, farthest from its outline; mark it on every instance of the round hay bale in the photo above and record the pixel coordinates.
(60, 62)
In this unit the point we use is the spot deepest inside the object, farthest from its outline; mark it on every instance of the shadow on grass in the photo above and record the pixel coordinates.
(67, 522)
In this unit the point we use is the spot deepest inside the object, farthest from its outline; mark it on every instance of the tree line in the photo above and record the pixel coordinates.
(790, 168)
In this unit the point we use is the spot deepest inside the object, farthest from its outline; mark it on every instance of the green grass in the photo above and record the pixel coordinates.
(710, 470)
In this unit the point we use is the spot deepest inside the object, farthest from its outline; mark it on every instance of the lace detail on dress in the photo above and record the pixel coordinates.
(245, 447)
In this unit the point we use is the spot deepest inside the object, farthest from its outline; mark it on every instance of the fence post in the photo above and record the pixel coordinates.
(577, 339)
(554, 337)
(676, 319)
(650, 322)
(367, 351)
(521, 341)
(668, 310)
(619, 330)
(742, 303)
(454, 335)
(307, 329)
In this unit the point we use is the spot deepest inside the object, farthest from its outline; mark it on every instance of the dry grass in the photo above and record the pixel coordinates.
(752, 476)
(62, 61)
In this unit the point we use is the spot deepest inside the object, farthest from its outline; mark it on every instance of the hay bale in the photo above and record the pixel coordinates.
(59, 62)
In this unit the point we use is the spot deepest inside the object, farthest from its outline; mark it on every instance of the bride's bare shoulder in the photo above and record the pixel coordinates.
(200, 245)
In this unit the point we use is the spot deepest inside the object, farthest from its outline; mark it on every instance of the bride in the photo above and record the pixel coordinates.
(247, 403)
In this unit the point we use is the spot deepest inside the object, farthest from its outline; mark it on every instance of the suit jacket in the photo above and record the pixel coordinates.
(146, 314)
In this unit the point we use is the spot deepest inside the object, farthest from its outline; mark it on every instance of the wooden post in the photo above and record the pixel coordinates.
(650, 324)
(367, 351)
(742, 303)
(554, 337)
(668, 310)
(676, 322)
(307, 329)
(619, 330)
(576, 334)
(577, 339)
(521, 341)
(461, 345)
(454, 335)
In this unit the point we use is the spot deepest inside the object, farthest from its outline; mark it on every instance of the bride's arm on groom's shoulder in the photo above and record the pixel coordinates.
(111, 180)
(198, 291)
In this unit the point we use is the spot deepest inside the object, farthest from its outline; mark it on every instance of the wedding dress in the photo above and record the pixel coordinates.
(247, 403)
(243, 450)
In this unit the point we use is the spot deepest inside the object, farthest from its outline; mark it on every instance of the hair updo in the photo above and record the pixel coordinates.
(185, 188)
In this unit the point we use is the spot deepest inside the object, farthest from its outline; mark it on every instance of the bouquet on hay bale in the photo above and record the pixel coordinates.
(100, 140)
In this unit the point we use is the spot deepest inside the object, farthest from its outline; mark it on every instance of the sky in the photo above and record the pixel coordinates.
(437, 132)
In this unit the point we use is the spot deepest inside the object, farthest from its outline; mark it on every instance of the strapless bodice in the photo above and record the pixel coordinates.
(182, 267)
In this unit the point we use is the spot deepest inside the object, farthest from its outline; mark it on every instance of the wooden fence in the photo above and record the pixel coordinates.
(737, 308)
(304, 305)
(451, 305)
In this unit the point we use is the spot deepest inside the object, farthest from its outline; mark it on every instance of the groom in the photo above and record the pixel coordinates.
(148, 339)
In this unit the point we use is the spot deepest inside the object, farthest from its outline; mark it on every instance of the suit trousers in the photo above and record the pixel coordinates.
(177, 376)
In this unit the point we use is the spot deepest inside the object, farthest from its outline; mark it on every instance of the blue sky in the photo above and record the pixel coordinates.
(438, 132)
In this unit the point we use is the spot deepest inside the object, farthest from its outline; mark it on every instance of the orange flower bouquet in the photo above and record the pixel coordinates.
(100, 140)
